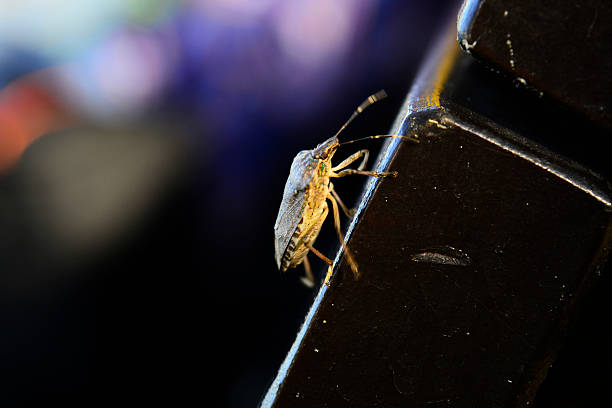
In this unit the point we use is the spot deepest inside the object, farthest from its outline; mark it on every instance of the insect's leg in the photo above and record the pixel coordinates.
(348, 212)
(347, 252)
(307, 280)
(320, 255)
(325, 259)
(349, 172)
(352, 158)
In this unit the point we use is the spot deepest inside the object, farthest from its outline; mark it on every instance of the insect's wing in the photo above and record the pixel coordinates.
(289, 216)
(294, 201)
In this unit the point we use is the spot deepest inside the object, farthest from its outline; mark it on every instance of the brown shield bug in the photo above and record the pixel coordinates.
(304, 206)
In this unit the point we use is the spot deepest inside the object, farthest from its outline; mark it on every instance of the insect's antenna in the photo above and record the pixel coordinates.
(410, 138)
(370, 101)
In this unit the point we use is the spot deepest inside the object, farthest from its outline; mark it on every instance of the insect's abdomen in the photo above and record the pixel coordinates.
(311, 226)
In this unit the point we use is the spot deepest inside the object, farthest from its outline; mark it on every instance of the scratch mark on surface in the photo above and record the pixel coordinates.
(590, 29)
(510, 50)
(438, 124)
(394, 382)
(467, 46)
(446, 255)
(438, 401)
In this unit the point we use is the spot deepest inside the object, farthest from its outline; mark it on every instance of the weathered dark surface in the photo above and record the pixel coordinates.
(561, 48)
(474, 261)
(475, 335)
(538, 118)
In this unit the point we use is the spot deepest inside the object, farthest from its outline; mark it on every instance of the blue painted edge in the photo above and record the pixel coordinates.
(466, 16)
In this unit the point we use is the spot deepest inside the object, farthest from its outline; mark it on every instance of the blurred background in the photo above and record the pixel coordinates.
(144, 147)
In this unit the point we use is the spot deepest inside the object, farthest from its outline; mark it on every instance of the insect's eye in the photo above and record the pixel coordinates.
(322, 170)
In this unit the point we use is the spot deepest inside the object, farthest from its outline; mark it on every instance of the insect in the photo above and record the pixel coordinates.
(304, 206)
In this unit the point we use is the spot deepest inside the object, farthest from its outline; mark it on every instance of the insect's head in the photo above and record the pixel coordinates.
(326, 150)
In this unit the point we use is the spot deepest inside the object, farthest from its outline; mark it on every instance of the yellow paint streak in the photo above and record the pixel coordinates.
(444, 70)
(430, 97)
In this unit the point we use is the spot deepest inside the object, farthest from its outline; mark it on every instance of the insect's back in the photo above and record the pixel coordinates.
(293, 203)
